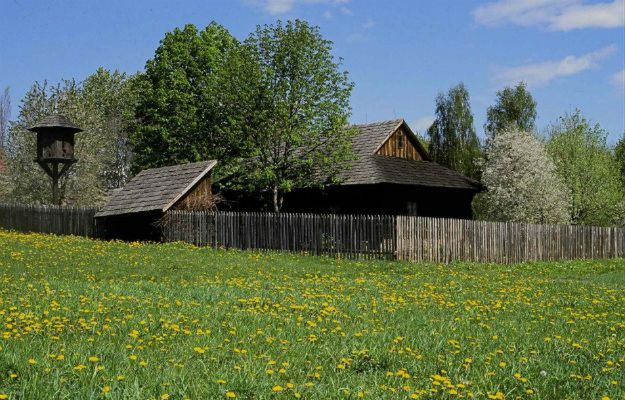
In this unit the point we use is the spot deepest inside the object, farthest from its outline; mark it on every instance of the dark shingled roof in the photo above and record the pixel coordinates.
(370, 168)
(55, 121)
(371, 136)
(156, 189)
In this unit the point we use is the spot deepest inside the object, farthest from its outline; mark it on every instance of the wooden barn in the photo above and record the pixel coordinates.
(393, 174)
(134, 212)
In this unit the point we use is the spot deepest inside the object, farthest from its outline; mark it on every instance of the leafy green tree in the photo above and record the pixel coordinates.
(522, 182)
(619, 152)
(514, 108)
(174, 113)
(589, 169)
(453, 141)
(103, 105)
(292, 101)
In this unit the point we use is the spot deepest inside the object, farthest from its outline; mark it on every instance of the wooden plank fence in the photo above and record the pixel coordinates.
(347, 236)
(49, 219)
(407, 238)
(444, 240)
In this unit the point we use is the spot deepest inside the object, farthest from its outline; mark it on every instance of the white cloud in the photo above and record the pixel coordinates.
(422, 124)
(356, 37)
(559, 15)
(369, 24)
(540, 74)
(618, 79)
(279, 7)
(275, 7)
(345, 10)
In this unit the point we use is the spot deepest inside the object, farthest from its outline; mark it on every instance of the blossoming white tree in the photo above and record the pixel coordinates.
(522, 182)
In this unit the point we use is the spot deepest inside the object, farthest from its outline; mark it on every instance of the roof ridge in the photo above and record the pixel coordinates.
(388, 121)
(178, 165)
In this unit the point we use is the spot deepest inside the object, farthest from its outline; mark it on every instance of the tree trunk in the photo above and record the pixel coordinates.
(277, 202)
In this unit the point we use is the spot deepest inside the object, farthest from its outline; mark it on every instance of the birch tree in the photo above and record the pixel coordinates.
(453, 141)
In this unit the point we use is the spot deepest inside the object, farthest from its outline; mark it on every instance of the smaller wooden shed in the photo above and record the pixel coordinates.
(134, 212)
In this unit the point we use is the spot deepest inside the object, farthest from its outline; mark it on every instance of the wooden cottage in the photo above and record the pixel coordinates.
(393, 174)
(134, 212)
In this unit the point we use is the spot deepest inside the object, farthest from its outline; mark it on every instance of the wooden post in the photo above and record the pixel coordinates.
(55, 184)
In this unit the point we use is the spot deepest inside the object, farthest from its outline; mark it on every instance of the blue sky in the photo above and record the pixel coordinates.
(400, 53)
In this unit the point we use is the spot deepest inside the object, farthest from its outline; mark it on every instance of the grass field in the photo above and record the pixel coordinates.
(87, 319)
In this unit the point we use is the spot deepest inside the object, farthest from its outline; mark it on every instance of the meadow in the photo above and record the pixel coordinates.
(82, 319)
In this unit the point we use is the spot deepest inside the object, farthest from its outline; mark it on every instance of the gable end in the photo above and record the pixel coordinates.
(402, 143)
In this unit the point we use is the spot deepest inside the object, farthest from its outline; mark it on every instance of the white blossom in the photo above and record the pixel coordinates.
(522, 182)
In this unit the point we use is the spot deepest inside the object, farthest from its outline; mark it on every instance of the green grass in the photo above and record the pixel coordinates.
(173, 321)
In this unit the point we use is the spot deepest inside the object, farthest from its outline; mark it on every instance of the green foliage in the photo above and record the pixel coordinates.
(522, 182)
(176, 120)
(103, 105)
(147, 321)
(292, 101)
(589, 169)
(619, 153)
(514, 108)
(453, 141)
(5, 116)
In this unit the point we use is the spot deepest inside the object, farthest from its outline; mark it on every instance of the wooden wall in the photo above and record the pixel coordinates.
(401, 145)
(198, 198)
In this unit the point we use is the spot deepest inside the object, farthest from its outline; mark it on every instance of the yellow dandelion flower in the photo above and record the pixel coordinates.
(32, 361)
(106, 389)
(277, 388)
(94, 359)
(230, 394)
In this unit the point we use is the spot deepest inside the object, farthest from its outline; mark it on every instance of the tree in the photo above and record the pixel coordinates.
(103, 105)
(453, 141)
(619, 153)
(292, 99)
(174, 109)
(514, 108)
(522, 182)
(5, 116)
(111, 98)
(589, 169)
